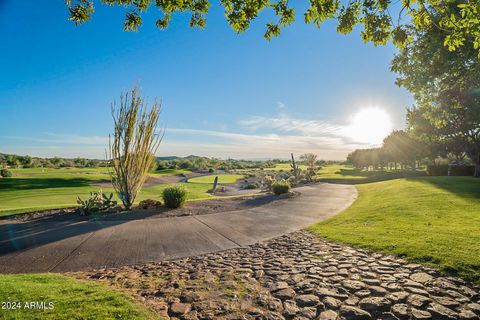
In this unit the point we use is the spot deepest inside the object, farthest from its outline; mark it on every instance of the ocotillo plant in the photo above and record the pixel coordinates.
(134, 142)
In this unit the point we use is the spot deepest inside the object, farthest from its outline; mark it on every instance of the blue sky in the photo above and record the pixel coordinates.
(223, 94)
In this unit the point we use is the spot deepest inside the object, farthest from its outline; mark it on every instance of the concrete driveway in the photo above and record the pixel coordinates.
(73, 245)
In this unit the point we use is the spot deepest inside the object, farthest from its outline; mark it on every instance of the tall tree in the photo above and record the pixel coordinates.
(403, 147)
(135, 139)
(445, 86)
(459, 18)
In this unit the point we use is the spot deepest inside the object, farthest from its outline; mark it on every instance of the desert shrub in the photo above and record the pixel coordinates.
(174, 197)
(5, 173)
(268, 181)
(280, 187)
(97, 202)
(251, 186)
(437, 170)
(149, 204)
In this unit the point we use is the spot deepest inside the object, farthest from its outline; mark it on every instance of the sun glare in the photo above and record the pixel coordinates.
(370, 125)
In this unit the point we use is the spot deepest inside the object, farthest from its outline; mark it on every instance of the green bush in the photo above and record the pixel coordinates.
(450, 170)
(280, 187)
(251, 186)
(458, 170)
(5, 173)
(174, 197)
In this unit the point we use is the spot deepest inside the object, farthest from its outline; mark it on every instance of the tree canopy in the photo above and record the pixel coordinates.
(460, 19)
(446, 87)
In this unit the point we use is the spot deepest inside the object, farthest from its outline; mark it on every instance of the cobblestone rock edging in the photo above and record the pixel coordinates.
(296, 276)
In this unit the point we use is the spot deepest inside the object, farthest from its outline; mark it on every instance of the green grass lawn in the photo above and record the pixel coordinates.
(433, 220)
(285, 167)
(222, 178)
(72, 299)
(40, 189)
(37, 188)
(172, 172)
(338, 173)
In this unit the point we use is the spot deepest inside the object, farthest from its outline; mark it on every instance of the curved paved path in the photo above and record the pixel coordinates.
(73, 245)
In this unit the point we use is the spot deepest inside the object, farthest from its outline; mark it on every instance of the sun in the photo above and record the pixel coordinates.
(369, 125)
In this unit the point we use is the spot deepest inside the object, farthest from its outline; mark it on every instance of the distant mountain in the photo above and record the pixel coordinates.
(190, 157)
(168, 158)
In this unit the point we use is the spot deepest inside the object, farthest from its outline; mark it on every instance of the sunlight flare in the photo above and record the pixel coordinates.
(369, 125)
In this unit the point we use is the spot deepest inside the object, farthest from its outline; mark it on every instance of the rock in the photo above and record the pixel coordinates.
(375, 304)
(275, 304)
(279, 286)
(363, 293)
(400, 310)
(441, 312)
(417, 301)
(446, 302)
(308, 312)
(331, 302)
(352, 301)
(189, 297)
(457, 296)
(421, 277)
(258, 274)
(469, 292)
(417, 291)
(192, 315)
(475, 307)
(377, 291)
(307, 300)
(353, 285)
(285, 294)
(353, 313)
(387, 316)
(328, 315)
(420, 314)
(467, 315)
(178, 308)
(322, 292)
(273, 316)
(398, 297)
(290, 308)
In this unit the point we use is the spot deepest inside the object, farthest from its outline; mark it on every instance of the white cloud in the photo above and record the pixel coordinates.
(286, 124)
(262, 137)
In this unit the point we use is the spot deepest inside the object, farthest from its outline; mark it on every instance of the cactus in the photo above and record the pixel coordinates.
(98, 201)
(215, 182)
(297, 172)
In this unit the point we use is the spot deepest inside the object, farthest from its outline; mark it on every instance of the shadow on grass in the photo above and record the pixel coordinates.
(357, 176)
(16, 184)
(466, 187)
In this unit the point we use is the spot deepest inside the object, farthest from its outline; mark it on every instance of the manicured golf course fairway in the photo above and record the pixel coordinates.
(40, 189)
